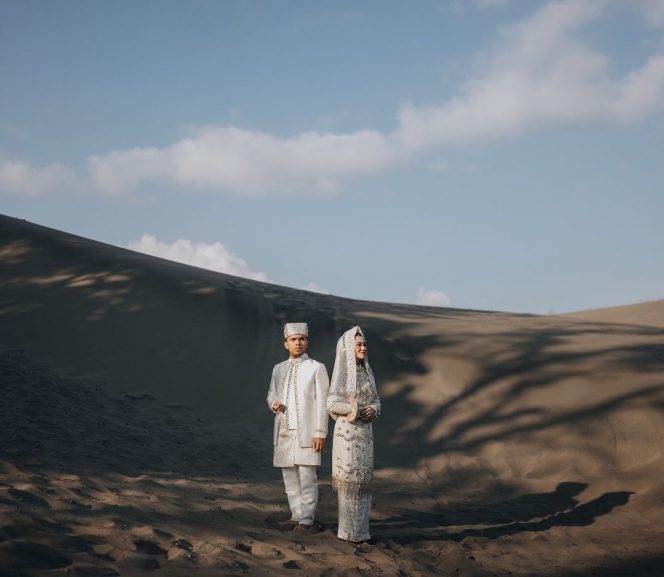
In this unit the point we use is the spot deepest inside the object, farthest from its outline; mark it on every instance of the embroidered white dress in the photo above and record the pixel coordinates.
(352, 448)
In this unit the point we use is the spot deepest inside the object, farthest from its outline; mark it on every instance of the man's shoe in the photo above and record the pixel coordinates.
(301, 528)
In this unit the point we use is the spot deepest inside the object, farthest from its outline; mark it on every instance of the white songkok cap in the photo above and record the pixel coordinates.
(296, 329)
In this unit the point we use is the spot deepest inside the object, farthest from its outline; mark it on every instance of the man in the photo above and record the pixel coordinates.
(298, 397)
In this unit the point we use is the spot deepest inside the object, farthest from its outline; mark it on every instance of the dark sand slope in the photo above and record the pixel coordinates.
(508, 444)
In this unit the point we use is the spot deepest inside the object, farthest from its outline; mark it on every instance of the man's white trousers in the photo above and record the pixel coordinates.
(302, 491)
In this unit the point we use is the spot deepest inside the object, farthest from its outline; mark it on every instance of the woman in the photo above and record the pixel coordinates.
(353, 403)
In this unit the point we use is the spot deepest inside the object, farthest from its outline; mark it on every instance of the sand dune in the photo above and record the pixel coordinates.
(135, 435)
(650, 314)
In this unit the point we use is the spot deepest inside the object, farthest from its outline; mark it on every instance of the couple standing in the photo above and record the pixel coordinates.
(301, 397)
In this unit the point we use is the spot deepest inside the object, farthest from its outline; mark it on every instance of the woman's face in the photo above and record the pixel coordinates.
(360, 348)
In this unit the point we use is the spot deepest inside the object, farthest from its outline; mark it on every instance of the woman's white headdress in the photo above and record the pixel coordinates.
(344, 376)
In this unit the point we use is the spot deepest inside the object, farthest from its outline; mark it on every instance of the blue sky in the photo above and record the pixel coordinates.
(488, 154)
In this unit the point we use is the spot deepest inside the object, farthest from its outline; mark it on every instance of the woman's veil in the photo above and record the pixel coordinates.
(343, 384)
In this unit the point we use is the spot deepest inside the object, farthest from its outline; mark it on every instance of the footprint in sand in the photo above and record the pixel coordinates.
(28, 498)
(147, 547)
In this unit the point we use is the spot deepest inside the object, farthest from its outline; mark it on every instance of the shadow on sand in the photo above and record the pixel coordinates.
(134, 330)
(530, 512)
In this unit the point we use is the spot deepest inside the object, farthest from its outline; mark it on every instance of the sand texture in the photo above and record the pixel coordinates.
(135, 439)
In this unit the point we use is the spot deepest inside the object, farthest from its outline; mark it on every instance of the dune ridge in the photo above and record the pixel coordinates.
(649, 314)
(135, 434)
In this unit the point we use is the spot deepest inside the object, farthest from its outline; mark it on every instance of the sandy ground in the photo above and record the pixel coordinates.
(134, 435)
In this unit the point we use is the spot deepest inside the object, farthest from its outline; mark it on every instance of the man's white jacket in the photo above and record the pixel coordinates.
(311, 388)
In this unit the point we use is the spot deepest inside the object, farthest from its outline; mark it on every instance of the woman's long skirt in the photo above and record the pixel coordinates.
(352, 477)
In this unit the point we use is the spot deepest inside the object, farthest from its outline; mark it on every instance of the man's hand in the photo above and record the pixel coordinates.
(278, 407)
(319, 444)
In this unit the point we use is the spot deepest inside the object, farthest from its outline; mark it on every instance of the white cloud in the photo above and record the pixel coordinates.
(652, 11)
(249, 162)
(216, 257)
(541, 74)
(20, 178)
(432, 298)
(314, 288)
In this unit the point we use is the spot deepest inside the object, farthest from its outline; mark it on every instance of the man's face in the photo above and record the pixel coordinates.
(296, 345)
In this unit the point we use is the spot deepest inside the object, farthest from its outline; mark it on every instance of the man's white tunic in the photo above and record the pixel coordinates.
(302, 385)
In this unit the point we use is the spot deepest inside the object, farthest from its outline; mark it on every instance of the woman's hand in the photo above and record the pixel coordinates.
(367, 413)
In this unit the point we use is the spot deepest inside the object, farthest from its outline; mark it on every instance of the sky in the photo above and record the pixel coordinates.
(483, 154)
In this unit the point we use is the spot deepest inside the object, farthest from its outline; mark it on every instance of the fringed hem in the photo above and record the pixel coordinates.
(352, 489)
(353, 538)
